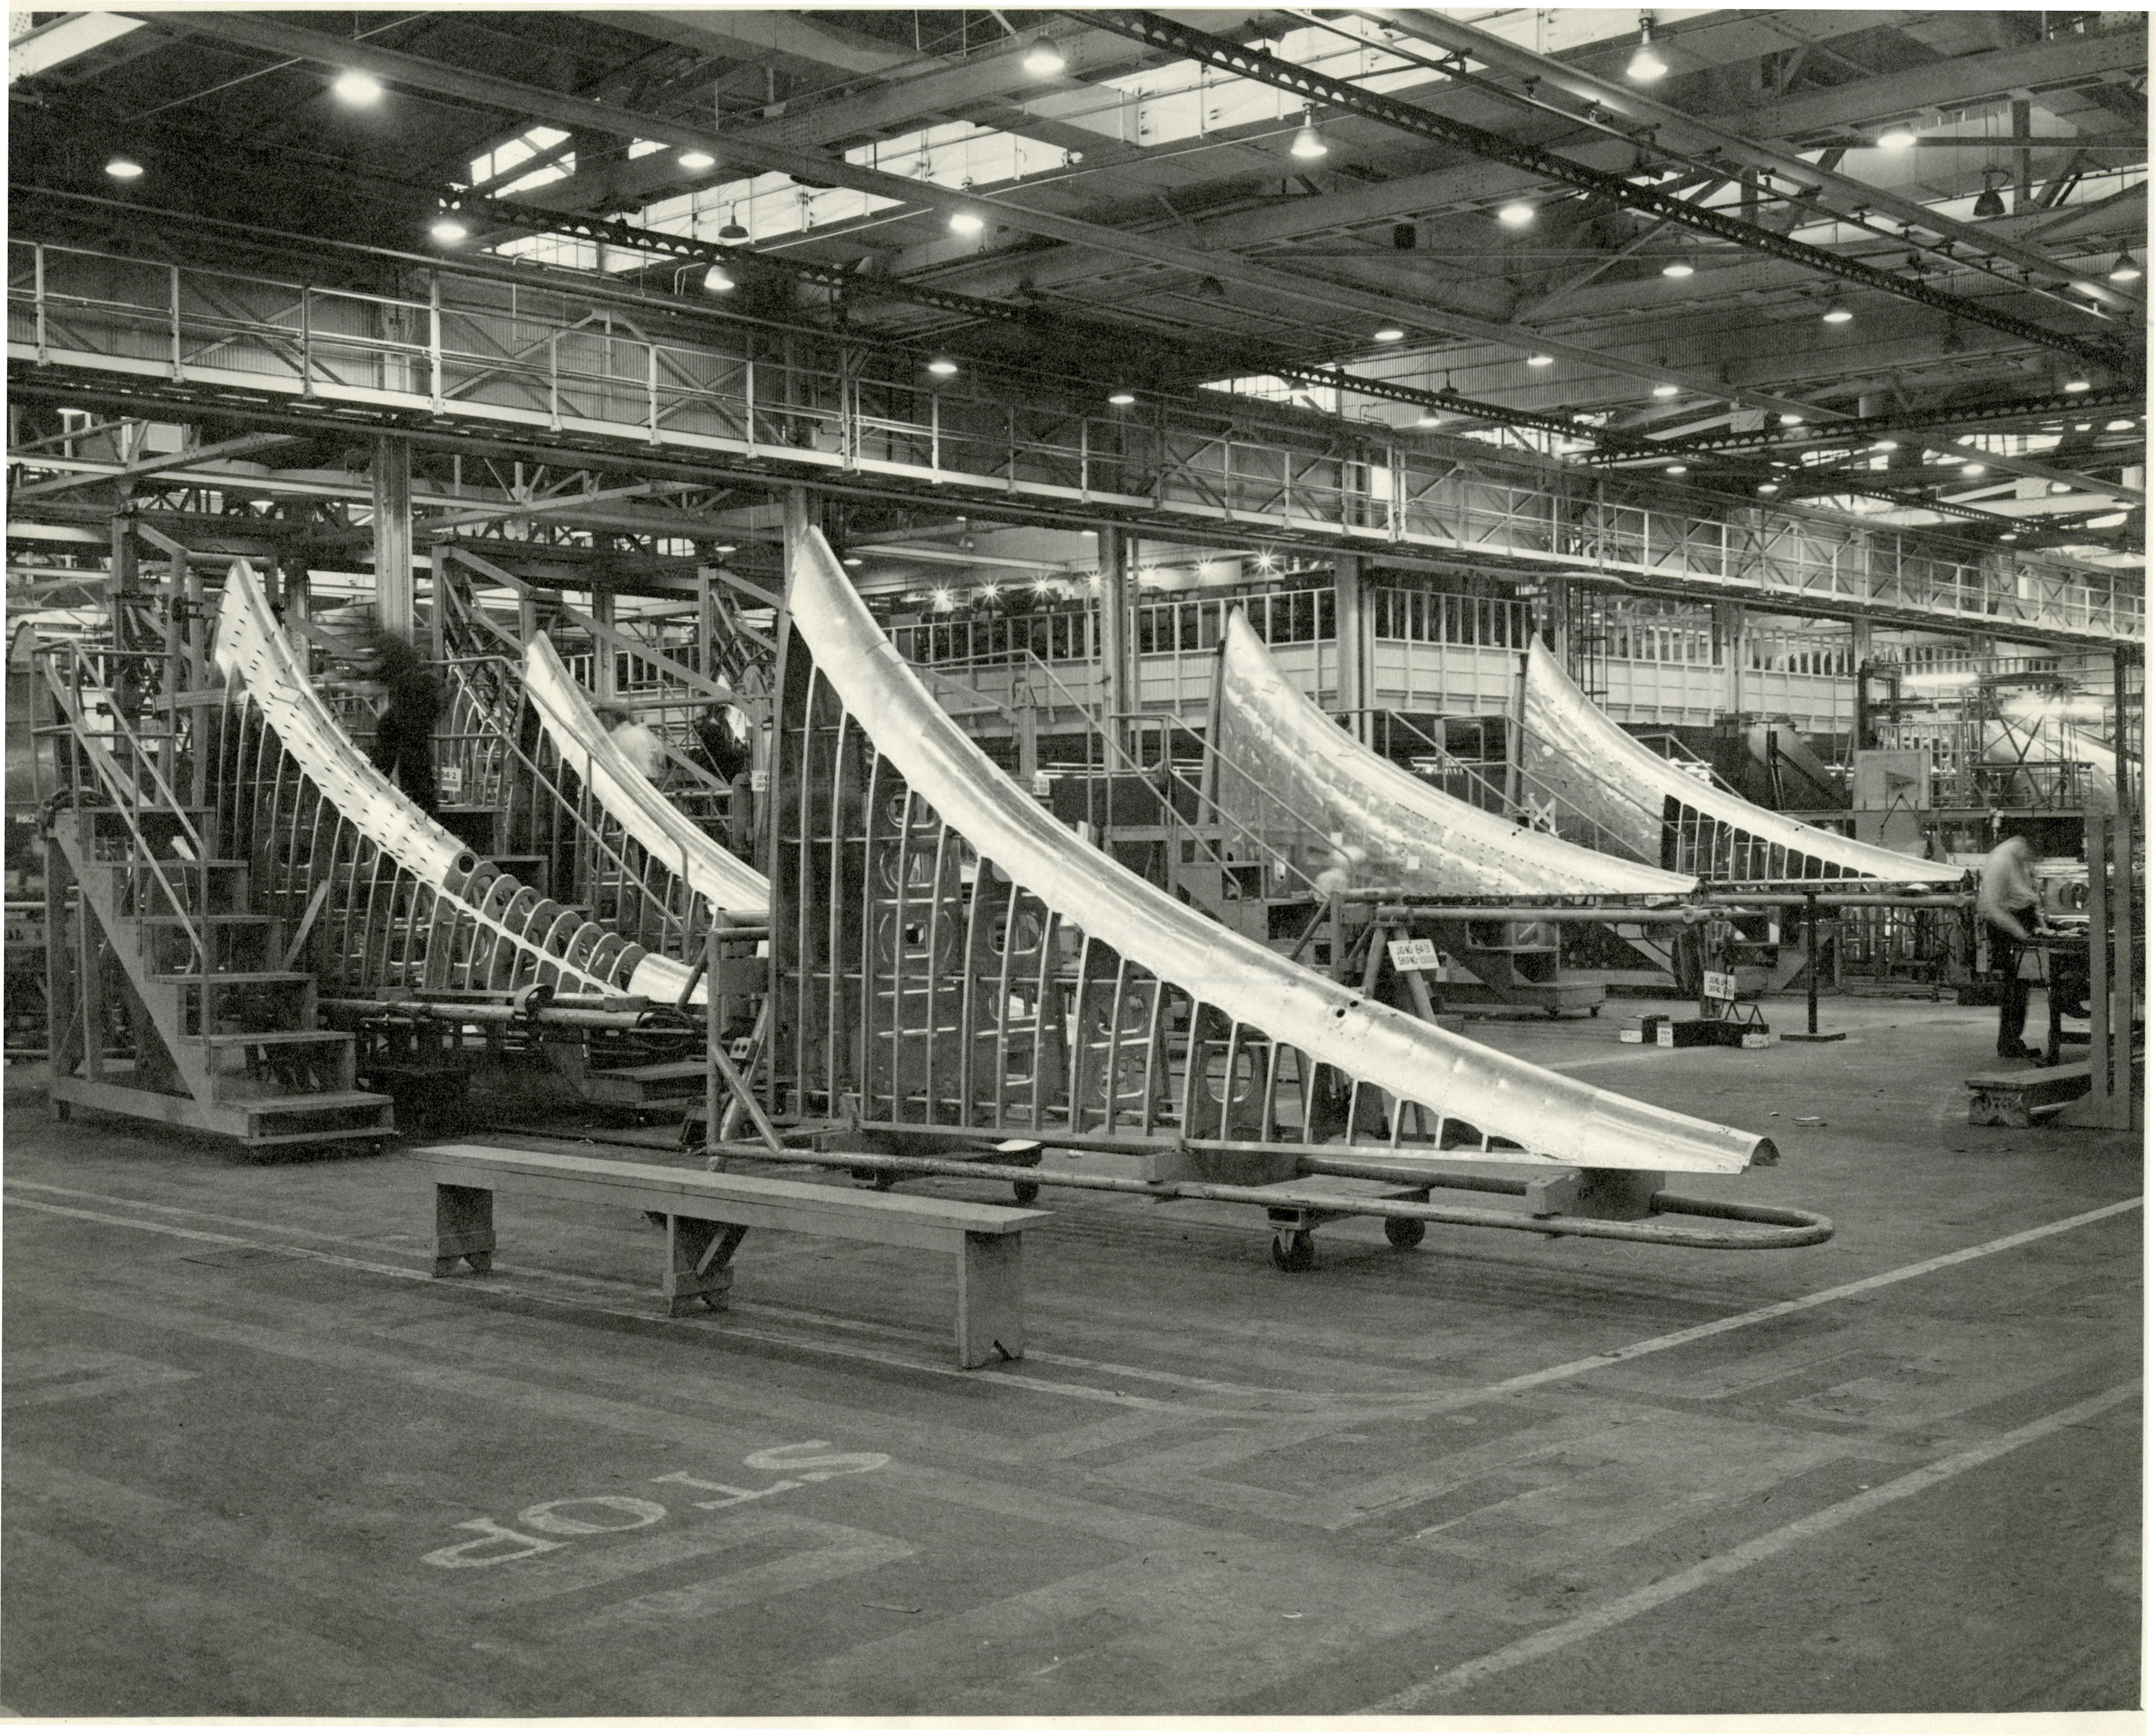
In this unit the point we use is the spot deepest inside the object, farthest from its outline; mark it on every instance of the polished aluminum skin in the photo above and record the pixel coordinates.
(1572, 746)
(1299, 780)
(633, 800)
(460, 922)
(947, 954)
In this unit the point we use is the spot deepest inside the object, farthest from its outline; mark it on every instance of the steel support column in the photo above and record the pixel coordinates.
(393, 590)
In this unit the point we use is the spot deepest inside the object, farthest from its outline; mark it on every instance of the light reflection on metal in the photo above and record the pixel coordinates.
(412, 907)
(1686, 823)
(947, 955)
(1306, 780)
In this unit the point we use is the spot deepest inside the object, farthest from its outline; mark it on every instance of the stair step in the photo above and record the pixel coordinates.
(663, 1072)
(315, 1100)
(263, 1038)
(326, 1136)
(185, 978)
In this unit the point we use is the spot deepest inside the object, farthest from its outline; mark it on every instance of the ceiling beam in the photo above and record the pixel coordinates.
(1233, 57)
(265, 34)
(1676, 129)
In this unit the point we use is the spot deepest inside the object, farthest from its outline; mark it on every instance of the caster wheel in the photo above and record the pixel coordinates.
(1405, 1232)
(1293, 1250)
(1025, 1192)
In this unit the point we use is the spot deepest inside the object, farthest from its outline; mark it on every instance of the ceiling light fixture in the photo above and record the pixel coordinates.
(1428, 419)
(1674, 470)
(450, 230)
(356, 88)
(1769, 488)
(1044, 59)
(2125, 272)
(2009, 537)
(852, 561)
(696, 160)
(1388, 334)
(1972, 469)
(943, 367)
(967, 223)
(731, 229)
(1837, 313)
(1987, 202)
(1678, 267)
(1121, 395)
(1539, 360)
(1886, 445)
(2076, 384)
(1309, 143)
(1517, 214)
(1666, 390)
(1646, 65)
(1900, 136)
(123, 168)
(1789, 421)
(717, 281)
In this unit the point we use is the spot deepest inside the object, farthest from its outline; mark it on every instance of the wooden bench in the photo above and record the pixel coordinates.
(707, 1215)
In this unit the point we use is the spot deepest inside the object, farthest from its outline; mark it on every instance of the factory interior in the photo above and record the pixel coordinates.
(1408, 741)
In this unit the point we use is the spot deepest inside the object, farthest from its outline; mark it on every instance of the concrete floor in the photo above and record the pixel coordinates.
(259, 1463)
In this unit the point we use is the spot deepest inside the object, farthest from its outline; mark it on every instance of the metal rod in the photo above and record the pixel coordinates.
(1784, 1227)
(498, 1012)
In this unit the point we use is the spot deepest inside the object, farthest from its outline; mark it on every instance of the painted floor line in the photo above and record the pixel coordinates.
(1566, 1635)
(818, 1346)
(1818, 1298)
(1517, 1383)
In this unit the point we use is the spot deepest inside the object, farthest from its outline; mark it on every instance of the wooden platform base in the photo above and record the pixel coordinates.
(2022, 1100)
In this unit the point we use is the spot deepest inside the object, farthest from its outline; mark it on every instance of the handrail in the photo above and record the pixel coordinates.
(1605, 840)
(1097, 725)
(124, 795)
(585, 831)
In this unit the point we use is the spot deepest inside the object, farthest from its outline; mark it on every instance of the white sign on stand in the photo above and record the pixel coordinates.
(1413, 954)
(1718, 985)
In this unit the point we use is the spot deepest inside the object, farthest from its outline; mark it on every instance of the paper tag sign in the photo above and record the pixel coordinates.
(759, 781)
(1718, 985)
(1413, 954)
(1043, 783)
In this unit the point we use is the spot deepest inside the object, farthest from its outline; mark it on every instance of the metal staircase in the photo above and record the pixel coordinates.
(169, 991)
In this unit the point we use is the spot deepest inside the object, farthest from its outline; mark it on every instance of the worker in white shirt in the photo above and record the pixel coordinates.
(645, 752)
(2007, 899)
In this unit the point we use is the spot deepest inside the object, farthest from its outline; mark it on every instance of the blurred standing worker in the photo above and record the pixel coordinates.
(404, 731)
(724, 742)
(645, 751)
(2007, 899)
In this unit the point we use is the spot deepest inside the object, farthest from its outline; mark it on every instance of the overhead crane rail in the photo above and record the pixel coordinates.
(477, 358)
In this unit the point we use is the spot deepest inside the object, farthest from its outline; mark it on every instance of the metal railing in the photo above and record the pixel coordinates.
(549, 359)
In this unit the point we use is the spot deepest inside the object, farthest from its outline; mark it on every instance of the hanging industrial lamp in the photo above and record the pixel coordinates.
(1646, 65)
(2125, 272)
(1987, 202)
(1309, 143)
(1044, 59)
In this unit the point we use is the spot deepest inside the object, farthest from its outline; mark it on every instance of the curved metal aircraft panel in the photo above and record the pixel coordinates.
(948, 955)
(712, 870)
(439, 916)
(1673, 817)
(1296, 777)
